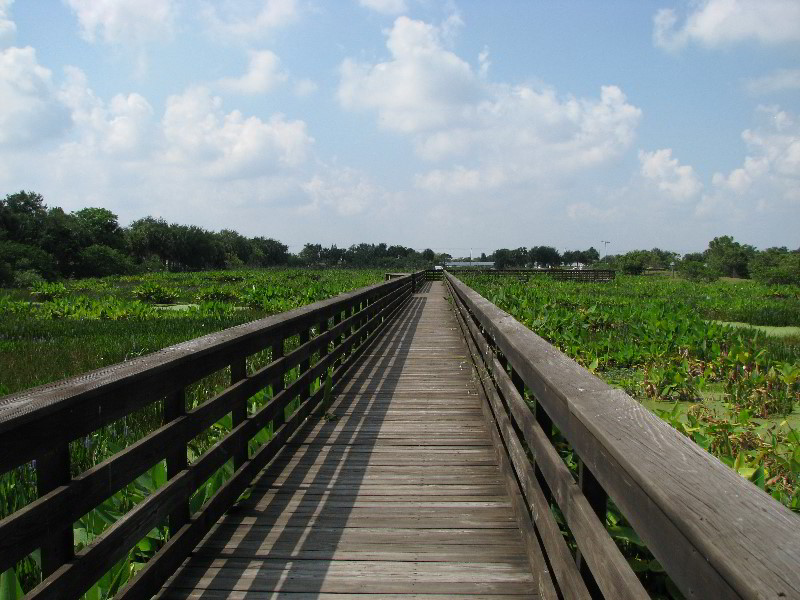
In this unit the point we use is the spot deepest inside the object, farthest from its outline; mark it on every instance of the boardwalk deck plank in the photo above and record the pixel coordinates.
(397, 495)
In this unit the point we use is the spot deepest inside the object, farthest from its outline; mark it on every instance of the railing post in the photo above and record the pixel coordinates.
(323, 351)
(337, 318)
(305, 365)
(239, 410)
(175, 407)
(518, 383)
(278, 383)
(413, 283)
(598, 500)
(546, 423)
(52, 471)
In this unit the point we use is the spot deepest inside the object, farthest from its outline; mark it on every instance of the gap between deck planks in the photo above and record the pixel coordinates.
(400, 496)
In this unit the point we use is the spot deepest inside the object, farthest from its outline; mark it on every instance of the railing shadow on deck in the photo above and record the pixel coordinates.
(330, 493)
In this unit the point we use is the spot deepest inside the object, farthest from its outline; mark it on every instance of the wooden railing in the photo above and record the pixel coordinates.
(716, 534)
(587, 275)
(37, 427)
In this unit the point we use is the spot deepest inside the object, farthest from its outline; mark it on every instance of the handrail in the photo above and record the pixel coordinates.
(39, 424)
(585, 275)
(716, 534)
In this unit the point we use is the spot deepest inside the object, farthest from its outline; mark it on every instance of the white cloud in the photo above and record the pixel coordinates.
(249, 19)
(715, 23)
(346, 191)
(304, 88)
(7, 27)
(263, 74)
(125, 21)
(230, 145)
(124, 128)
(423, 87)
(678, 181)
(770, 174)
(499, 134)
(588, 211)
(386, 7)
(31, 110)
(778, 81)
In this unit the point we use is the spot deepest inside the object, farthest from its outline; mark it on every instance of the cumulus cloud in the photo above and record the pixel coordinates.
(249, 19)
(7, 27)
(124, 21)
(31, 110)
(198, 133)
(423, 87)
(263, 74)
(304, 87)
(770, 174)
(498, 134)
(124, 127)
(678, 181)
(591, 212)
(778, 81)
(344, 190)
(715, 23)
(386, 7)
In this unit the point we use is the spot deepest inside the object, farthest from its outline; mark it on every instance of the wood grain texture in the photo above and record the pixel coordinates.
(610, 571)
(74, 407)
(397, 491)
(45, 417)
(717, 535)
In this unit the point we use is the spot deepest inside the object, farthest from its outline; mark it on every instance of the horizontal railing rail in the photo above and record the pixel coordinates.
(588, 275)
(716, 534)
(39, 424)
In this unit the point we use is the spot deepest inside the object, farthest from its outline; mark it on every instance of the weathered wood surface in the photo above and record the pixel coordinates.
(398, 493)
(717, 535)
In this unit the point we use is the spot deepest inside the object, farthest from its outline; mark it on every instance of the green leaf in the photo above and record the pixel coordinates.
(10, 588)
(620, 532)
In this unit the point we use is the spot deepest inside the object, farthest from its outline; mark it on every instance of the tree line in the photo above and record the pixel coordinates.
(724, 257)
(37, 242)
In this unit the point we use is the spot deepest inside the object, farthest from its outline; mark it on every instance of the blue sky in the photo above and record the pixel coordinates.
(450, 125)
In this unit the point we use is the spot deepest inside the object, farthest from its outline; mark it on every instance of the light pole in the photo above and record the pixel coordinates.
(605, 248)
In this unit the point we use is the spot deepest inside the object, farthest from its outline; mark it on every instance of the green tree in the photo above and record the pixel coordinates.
(634, 262)
(590, 256)
(24, 257)
(60, 238)
(693, 267)
(269, 252)
(776, 266)
(729, 258)
(545, 256)
(98, 260)
(22, 216)
(151, 237)
(99, 226)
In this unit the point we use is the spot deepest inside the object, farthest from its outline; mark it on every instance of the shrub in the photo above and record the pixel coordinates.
(22, 257)
(775, 267)
(27, 279)
(44, 291)
(155, 293)
(100, 261)
(218, 294)
(696, 271)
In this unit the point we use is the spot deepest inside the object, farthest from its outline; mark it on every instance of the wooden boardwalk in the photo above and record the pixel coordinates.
(397, 495)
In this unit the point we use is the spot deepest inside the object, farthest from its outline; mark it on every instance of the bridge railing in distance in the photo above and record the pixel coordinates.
(716, 534)
(587, 275)
(39, 424)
